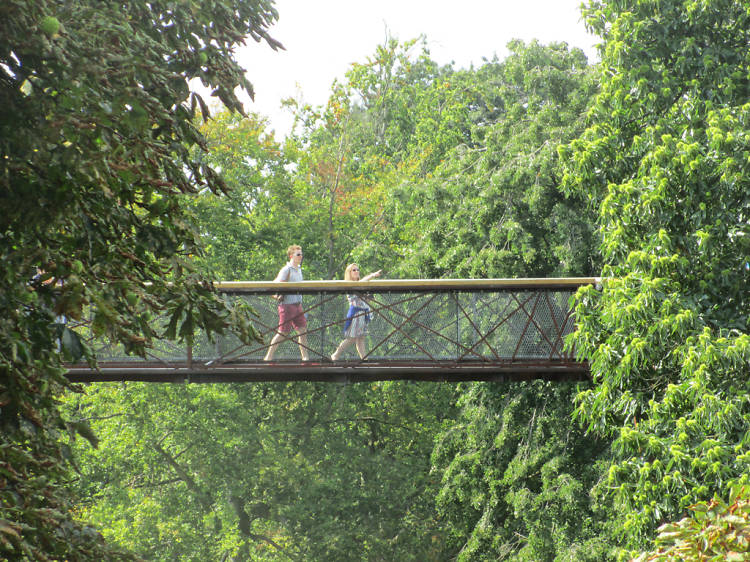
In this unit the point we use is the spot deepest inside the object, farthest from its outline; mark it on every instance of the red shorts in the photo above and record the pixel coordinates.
(291, 315)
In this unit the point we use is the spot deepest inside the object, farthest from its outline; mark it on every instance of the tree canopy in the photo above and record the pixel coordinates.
(540, 164)
(96, 129)
(371, 475)
(666, 162)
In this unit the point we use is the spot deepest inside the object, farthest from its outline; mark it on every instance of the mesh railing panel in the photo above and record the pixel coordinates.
(406, 325)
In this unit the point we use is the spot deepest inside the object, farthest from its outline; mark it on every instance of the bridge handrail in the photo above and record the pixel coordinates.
(413, 285)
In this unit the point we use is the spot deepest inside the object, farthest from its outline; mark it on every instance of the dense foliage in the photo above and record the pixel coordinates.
(321, 472)
(667, 163)
(96, 125)
(517, 475)
(492, 206)
(522, 167)
(515, 479)
(246, 232)
(264, 471)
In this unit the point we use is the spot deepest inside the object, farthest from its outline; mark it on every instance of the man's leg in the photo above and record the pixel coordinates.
(302, 341)
(300, 324)
(273, 345)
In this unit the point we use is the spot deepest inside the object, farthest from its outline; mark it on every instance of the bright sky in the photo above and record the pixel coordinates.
(324, 37)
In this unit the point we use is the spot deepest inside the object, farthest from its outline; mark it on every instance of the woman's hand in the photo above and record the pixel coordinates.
(372, 275)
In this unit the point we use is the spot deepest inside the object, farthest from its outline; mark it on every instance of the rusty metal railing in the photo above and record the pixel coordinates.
(457, 329)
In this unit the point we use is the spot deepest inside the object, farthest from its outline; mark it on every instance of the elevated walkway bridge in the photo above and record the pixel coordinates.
(422, 330)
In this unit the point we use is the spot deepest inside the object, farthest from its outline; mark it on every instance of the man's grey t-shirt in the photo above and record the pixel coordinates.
(290, 274)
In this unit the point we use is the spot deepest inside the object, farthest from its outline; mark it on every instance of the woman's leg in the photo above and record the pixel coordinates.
(361, 347)
(346, 342)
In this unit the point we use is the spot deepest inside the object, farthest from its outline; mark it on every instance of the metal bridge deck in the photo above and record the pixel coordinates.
(342, 371)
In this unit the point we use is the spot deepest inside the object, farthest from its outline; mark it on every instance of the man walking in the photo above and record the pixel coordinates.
(291, 314)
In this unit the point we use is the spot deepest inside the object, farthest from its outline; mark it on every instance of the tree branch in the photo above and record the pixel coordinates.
(204, 497)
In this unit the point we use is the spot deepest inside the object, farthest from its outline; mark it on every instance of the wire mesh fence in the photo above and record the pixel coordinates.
(404, 324)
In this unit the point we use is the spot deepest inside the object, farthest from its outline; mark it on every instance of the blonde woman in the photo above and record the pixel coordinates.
(358, 316)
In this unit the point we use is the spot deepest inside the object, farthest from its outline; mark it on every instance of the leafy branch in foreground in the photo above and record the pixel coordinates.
(96, 130)
(716, 530)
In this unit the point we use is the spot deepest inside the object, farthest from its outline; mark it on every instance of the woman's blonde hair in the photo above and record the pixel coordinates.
(348, 272)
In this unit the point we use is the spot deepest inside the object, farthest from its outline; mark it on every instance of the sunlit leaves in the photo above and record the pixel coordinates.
(666, 162)
(713, 530)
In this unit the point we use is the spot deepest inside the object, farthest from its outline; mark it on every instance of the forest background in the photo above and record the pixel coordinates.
(537, 165)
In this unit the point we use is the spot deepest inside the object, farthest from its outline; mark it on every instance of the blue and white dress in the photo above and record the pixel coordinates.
(357, 318)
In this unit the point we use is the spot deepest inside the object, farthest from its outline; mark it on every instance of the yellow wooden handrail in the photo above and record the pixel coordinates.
(406, 284)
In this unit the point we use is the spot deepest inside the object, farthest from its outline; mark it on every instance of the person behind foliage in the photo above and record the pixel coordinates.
(291, 314)
(357, 317)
